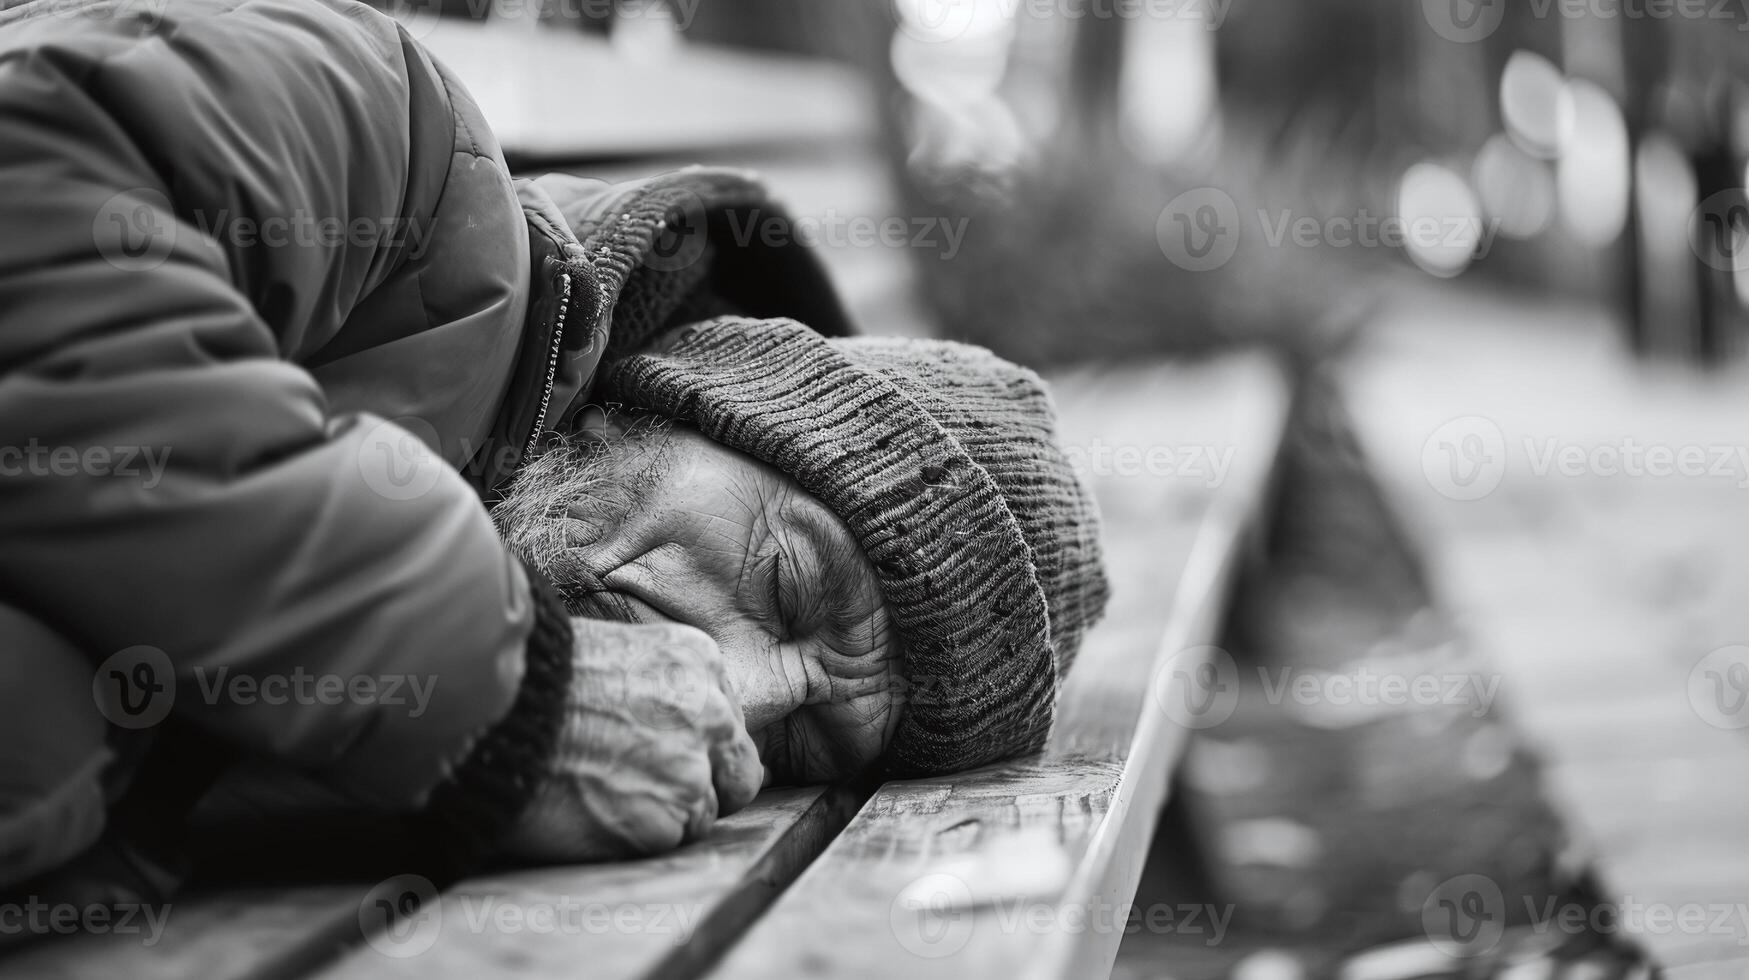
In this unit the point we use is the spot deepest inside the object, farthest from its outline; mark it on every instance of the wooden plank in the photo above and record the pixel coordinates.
(685, 906)
(664, 917)
(1596, 593)
(257, 934)
(1027, 868)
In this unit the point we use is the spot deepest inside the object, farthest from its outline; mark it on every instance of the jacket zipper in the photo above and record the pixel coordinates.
(554, 351)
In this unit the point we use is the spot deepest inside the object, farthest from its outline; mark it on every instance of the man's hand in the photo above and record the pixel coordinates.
(653, 750)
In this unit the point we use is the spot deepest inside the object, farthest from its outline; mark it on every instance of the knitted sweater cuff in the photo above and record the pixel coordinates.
(469, 813)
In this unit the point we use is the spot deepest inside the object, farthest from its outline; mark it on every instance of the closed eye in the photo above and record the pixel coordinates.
(774, 566)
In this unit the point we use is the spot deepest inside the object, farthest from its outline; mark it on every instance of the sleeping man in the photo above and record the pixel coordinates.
(539, 515)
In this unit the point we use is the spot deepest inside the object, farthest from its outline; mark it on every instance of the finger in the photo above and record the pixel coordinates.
(769, 681)
(701, 814)
(736, 770)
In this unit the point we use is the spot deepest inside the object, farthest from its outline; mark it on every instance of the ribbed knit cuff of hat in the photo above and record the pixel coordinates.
(469, 813)
(959, 579)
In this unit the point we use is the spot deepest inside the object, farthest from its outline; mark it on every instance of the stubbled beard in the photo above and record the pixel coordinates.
(569, 496)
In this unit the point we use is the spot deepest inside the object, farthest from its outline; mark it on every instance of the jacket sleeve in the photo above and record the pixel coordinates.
(172, 491)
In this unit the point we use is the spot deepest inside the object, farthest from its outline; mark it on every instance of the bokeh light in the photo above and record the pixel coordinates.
(1517, 191)
(1433, 197)
(1535, 104)
(1592, 176)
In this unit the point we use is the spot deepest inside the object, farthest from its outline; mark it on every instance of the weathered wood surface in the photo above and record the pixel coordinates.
(1027, 869)
(1598, 594)
(258, 934)
(654, 918)
(663, 917)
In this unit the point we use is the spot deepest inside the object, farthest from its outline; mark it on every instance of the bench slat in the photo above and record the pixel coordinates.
(1172, 544)
(660, 918)
(241, 934)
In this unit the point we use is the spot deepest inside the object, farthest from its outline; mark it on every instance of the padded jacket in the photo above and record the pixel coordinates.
(272, 245)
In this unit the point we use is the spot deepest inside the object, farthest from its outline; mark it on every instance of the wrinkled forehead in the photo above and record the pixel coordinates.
(631, 472)
(678, 471)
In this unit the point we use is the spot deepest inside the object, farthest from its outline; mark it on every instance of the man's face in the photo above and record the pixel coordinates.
(660, 523)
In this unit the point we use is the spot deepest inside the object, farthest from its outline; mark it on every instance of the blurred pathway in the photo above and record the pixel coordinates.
(1587, 519)
(1328, 817)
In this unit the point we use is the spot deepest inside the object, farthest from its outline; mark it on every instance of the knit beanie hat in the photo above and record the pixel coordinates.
(940, 458)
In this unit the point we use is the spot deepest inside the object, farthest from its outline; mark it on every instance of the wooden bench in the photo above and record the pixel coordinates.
(1018, 869)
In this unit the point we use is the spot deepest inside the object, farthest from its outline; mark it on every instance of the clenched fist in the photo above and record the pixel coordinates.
(654, 748)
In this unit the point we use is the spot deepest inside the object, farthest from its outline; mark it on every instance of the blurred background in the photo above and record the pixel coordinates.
(1525, 220)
